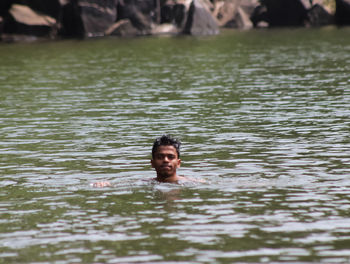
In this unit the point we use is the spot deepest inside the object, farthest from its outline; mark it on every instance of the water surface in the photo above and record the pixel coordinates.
(263, 117)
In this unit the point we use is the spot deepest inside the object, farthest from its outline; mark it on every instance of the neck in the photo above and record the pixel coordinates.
(172, 178)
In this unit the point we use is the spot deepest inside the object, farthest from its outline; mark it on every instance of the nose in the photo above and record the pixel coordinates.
(166, 158)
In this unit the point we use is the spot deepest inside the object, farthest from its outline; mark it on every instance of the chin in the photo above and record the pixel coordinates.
(165, 175)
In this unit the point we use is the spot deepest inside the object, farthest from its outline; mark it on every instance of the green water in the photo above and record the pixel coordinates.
(263, 117)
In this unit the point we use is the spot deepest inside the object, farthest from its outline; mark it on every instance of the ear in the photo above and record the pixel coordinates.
(152, 163)
(178, 163)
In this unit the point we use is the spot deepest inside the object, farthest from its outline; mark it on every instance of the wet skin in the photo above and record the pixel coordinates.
(166, 162)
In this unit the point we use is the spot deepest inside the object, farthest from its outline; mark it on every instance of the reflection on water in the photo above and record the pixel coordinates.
(263, 117)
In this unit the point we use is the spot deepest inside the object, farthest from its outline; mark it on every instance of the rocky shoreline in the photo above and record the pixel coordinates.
(56, 19)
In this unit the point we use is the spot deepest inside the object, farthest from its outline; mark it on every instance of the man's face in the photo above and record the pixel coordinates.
(166, 161)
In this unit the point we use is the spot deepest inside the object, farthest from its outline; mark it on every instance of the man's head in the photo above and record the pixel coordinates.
(165, 157)
(166, 140)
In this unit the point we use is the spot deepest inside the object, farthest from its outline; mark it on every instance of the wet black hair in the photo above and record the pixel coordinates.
(166, 140)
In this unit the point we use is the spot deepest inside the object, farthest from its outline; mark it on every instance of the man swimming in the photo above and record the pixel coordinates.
(165, 160)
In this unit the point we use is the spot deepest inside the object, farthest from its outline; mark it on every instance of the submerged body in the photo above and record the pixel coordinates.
(165, 160)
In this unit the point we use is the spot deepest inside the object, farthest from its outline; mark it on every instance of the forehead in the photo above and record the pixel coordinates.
(166, 150)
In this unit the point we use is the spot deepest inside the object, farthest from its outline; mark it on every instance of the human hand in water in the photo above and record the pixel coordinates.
(101, 184)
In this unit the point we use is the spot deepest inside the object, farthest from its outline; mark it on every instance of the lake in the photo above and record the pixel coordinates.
(264, 119)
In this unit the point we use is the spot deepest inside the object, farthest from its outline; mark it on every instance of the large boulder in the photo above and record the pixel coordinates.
(319, 16)
(88, 18)
(294, 13)
(224, 12)
(22, 20)
(329, 5)
(71, 22)
(200, 20)
(259, 17)
(141, 13)
(290, 13)
(174, 13)
(51, 8)
(97, 15)
(342, 13)
(242, 19)
(235, 13)
(319, 12)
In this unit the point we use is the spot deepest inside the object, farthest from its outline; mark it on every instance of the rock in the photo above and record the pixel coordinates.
(122, 28)
(180, 14)
(72, 25)
(242, 19)
(97, 16)
(307, 3)
(166, 12)
(51, 8)
(173, 13)
(259, 17)
(88, 18)
(342, 13)
(319, 16)
(11, 38)
(200, 21)
(141, 13)
(235, 13)
(22, 20)
(328, 5)
(25, 15)
(224, 12)
(208, 5)
(5, 6)
(1, 26)
(64, 2)
(248, 6)
(285, 13)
